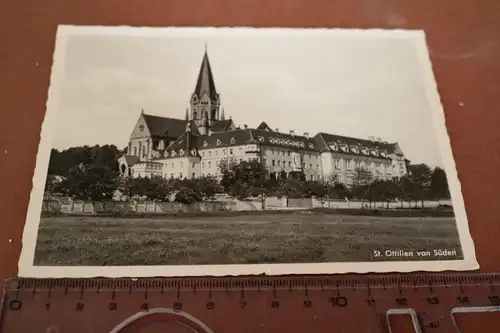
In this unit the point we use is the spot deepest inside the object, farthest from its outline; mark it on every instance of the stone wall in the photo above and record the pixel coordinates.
(357, 204)
(139, 207)
(271, 203)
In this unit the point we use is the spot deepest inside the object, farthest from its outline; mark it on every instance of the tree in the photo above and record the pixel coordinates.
(317, 189)
(62, 162)
(405, 188)
(187, 196)
(240, 190)
(239, 178)
(361, 184)
(375, 191)
(89, 182)
(273, 187)
(420, 178)
(420, 173)
(362, 177)
(226, 168)
(51, 185)
(293, 188)
(439, 184)
(390, 191)
(208, 186)
(339, 191)
(384, 190)
(157, 188)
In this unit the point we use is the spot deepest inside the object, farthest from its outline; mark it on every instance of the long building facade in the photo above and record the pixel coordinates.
(195, 146)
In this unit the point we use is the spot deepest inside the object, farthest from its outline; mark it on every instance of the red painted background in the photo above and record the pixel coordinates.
(463, 38)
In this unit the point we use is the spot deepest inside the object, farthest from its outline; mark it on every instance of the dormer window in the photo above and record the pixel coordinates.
(161, 145)
(334, 147)
(375, 152)
(173, 153)
(181, 152)
(193, 152)
(233, 140)
(205, 143)
(344, 148)
(219, 142)
(261, 139)
(165, 154)
(311, 146)
(383, 154)
(355, 150)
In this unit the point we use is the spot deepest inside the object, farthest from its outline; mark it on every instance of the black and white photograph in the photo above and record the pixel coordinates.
(241, 151)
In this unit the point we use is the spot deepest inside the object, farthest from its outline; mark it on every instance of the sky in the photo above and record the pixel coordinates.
(358, 86)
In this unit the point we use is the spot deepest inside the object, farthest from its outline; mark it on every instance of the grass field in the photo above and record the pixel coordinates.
(292, 237)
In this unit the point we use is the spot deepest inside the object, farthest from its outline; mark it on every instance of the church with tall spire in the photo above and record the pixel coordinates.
(152, 134)
(205, 100)
(193, 145)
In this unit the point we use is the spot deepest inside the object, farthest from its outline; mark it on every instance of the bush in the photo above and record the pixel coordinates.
(187, 196)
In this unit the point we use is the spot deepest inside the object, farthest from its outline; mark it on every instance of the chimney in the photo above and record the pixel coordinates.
(277, 130)
(379, 139)
(292, 132)
(306, 135)
(245, 126)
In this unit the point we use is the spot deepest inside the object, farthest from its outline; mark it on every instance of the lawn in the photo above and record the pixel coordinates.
(292, 237)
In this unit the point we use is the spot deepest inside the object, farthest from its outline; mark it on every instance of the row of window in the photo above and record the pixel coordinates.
(181, 175)
(284, 164)
(209, 153)
(352, 165)
(283, 153)
(278, 175)
(193, 165)
(181, 164)
(209, 165)
(357, 150)
(143, 149)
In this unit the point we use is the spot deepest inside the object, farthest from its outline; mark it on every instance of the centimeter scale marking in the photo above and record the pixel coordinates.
(355, 303)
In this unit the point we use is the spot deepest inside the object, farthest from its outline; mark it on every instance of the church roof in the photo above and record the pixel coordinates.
(164, 127)
(205, 83)
(190, 143)
(246, 136)
(131, 159)
(186, 141)
(264, 126)
(222, 125)
(284, 140)
(326, 140)
(167, 127)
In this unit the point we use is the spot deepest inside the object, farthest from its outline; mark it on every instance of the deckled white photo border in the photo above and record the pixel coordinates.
(27, 269)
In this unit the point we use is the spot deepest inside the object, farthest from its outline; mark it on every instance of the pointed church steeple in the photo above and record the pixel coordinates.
(222, 116)
(205, 101)
(205, 83)
(187, 115)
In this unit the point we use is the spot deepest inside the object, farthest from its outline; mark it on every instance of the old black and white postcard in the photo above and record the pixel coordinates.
(237, 151)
